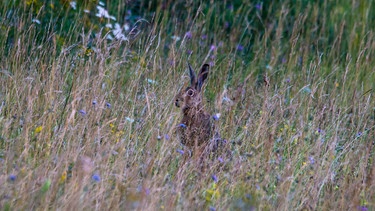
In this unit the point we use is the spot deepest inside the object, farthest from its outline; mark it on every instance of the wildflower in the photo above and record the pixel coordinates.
(216, 116)
(109, 25)
(213, 47)
(189, 52)
(239, 47)
(283, 60)
(63, 177)
(362, 208)
(109, 37)
(86, 11)
(188, 35)
(159, 137)
(226, 25)
(220, 160)
(38, 129)
(152, 81)
(180, 151)
(82, 112)
(258, 6)
(35, 21)
(212, 208)
(214, 178)
(96, 177)
(287, 80)
(73, 4)
(203, 37)
(182, 125)
(359, 134)
(94, 102)
(319, 131)
(176, 38)
(311, 159)
(129, 119)
(118, 33)
(12, 177)
(103, 13)
(108, 105)
(166, 137)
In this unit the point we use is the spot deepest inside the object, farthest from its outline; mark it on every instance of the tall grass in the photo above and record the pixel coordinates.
(89, 123)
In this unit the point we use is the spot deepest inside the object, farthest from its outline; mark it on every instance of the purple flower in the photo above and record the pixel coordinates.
(230, 6)
(239, 47)
(359, 134)
(362, 208)
(220, 160)
(12, 177)
(216, 116)
(147, 190)
(287, 80)
(159, 137)
(203, 37)
(180, 151)
(82, 112)
(96, 177)
(108, 105)
(226, 25)
(283, 60)
(213, 47)
(94, 102)
(189, 35)
(214, 178)
(311, 159)
(189, 52)
(166, 136)
(182, 125)
(212, 208)
(258, 6)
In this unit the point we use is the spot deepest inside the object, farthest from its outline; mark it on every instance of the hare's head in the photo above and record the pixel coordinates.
(191, 96)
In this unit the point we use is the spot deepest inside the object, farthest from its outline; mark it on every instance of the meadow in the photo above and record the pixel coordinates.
(87, 115)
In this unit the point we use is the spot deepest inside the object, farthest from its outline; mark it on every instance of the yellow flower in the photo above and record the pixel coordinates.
(63, 177)
(38, 129)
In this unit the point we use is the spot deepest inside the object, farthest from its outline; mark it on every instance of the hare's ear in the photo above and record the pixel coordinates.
(192, 76)
(203, 74)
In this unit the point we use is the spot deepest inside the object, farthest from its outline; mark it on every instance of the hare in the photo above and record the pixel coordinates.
(196, 128)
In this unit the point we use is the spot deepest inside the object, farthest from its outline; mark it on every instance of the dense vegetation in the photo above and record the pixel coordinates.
(87, 115)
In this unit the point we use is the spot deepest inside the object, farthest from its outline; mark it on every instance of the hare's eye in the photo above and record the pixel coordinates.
(190, 92)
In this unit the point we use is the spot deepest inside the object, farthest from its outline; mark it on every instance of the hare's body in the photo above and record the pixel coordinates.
(196, 128)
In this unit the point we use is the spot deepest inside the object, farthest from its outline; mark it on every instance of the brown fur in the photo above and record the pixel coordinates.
(196, 128)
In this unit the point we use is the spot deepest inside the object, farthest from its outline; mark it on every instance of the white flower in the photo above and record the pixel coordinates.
(129, 119)
(109, 37)
(109, 25)
(117, 32)
(86, 11)
(176, 38)
(152, 81)
(104, 13)
(73, 4)
(35, 21)
(126, 27)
